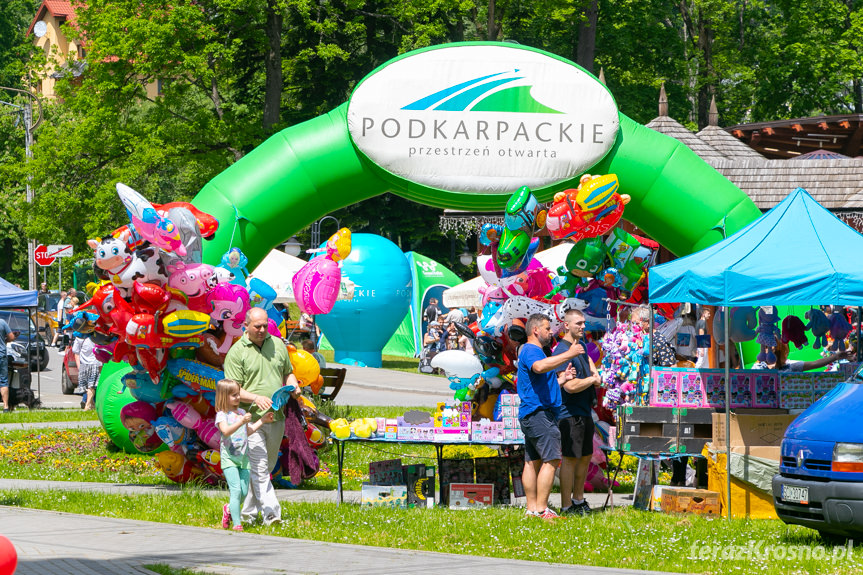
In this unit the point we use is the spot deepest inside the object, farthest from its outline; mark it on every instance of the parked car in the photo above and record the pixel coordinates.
(46, 314)
(28, 336)
(69, 374)
(820, 479)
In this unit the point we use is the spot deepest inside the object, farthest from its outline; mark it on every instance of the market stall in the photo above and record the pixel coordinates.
(798, 253)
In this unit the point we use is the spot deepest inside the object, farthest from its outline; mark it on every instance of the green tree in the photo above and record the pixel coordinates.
(810, 62)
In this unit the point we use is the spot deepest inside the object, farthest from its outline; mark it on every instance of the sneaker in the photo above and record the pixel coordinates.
(226, 516)
(238, 528)
(577, 509)
(531, 513)
(549, 514)
(272, 520)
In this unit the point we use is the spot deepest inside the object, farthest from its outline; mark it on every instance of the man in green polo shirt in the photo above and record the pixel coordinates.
(259, 362)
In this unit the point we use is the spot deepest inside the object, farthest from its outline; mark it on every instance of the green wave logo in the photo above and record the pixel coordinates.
(465, 97)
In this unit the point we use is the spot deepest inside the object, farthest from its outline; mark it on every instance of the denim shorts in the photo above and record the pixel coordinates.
(4, 370)
(541, 435)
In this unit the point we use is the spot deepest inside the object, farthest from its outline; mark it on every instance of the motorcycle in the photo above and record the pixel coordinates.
(19, 365)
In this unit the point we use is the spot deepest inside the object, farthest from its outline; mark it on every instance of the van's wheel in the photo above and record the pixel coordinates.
(66, 384)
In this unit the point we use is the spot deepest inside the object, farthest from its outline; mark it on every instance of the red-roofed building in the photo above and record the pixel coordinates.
(48, 36)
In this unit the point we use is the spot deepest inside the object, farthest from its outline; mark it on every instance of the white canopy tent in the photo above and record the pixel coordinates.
(279, 268)
(467, 294)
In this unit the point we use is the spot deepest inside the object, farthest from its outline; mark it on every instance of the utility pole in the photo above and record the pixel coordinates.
(28, 153)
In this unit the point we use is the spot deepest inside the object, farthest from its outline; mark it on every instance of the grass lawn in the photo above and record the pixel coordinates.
(163, 569)
(86, 454)
(24, 415)
(623, 538)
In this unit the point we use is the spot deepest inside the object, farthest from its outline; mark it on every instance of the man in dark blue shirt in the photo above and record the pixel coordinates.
(6, 335)
(578, 396)
(539, 390)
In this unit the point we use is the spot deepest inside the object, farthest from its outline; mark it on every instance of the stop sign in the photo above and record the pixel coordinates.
(41, 256)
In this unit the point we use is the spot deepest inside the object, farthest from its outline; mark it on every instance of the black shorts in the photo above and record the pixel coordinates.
(541, 436)
(576, 436)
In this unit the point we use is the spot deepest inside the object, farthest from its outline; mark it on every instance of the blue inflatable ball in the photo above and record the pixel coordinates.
(359, 328)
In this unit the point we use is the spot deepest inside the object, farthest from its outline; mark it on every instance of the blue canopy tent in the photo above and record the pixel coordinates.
(11, 296)
(14, 297)
(798, 253)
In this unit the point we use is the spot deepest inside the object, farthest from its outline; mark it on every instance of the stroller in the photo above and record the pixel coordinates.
(430, 350)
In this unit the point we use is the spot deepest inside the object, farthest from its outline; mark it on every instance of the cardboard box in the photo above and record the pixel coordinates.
(419, 480)
(772, 452)
(451, 434)
(682, 500)
(644, 414)
(384, 496)
(751, 429)
(487, 431)
(454, 471)
(645, 478)
(494, 470)
(656, 499)
(664, 389)
(387, 472)
(692, 392)
(471, 495)
(511, 423)
(765, 389)
(509, 399)
(391, 429)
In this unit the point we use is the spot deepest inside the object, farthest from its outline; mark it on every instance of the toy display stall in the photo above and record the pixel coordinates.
(730, 273)
(450, 424)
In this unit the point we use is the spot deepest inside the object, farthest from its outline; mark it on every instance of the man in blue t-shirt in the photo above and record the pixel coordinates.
(539, 390)
(576, 420)
(6, 335)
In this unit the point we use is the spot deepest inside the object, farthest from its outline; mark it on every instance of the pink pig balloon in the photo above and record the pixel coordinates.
(316, 285)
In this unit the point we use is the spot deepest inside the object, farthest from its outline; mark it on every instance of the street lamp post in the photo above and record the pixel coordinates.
(293, 247)
(316, 230)
(29, 126)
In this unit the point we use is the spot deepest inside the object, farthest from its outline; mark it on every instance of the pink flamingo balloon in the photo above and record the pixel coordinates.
(316, 285)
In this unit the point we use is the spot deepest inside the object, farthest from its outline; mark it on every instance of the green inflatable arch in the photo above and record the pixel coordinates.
(314, 168)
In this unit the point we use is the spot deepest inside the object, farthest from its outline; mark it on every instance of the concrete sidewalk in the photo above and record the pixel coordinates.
(390, 380)
(50, 425)
(61, 543)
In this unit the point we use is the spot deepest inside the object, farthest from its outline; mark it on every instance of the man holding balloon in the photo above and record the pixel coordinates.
(261, 365)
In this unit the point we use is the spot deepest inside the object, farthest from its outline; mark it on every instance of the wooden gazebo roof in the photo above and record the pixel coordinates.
(783, 139)
(837, 184)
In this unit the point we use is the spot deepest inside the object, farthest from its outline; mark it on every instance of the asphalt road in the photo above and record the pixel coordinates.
(48, 383)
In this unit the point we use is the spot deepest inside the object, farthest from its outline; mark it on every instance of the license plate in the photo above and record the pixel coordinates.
(795, 494)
